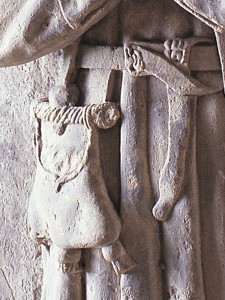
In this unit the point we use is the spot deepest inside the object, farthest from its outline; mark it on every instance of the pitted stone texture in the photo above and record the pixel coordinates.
(189, 245)
(20, 271)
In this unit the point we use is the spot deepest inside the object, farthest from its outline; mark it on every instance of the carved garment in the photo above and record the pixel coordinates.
(31, 28)
(211, 12)
(144, 136)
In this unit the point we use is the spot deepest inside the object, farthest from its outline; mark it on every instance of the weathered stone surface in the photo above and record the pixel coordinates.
(152, 181)
(20, 269)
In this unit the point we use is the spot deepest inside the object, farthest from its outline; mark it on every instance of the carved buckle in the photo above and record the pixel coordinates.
(178, 50)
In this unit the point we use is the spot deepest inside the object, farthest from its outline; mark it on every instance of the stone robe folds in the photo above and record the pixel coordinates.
(183, 257)
(181, 249)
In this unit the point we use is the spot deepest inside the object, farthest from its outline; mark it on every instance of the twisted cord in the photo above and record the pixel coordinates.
(62, 115)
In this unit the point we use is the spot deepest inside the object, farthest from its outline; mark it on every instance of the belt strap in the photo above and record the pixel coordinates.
(144, 59)
(106, 57)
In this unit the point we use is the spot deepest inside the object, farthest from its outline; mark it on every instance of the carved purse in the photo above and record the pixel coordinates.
(69, 202)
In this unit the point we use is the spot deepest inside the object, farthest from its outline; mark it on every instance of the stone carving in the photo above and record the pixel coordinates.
(69, 205)
(42, 27)
(172, 175)
(70, 208)
(67, 165)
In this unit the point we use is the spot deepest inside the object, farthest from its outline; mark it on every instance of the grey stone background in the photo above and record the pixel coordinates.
(20, 262)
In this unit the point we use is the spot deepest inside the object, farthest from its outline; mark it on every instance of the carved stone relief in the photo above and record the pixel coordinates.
(140, 75)
(69, 206)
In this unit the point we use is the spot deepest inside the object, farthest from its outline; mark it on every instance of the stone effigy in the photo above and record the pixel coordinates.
(158, 61)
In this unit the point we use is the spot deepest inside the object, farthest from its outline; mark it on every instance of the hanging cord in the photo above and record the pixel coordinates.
(64, 15)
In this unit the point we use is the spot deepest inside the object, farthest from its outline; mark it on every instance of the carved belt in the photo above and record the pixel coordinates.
(172, 63)
(113, 57)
